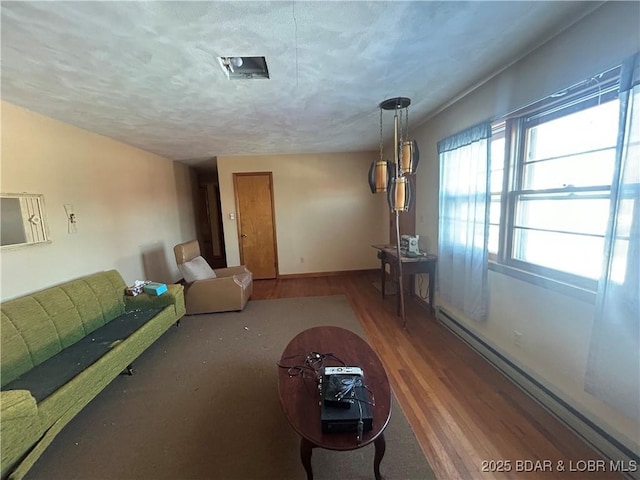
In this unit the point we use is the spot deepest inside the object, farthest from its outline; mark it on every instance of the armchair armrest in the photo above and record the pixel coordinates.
(219, 294)
(230, 271)
(144, 301)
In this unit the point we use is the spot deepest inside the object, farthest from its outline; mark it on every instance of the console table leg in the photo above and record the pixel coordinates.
(432, 285)
(305, 455)
(381, 446)
(383, 273)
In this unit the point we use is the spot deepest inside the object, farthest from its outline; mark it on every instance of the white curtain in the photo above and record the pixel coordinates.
(464, 220)
(613, 368)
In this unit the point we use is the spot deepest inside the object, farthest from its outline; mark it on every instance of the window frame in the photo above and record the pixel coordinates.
(499, 130)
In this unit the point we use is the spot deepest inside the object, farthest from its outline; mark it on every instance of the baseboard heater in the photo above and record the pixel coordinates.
(613, 450)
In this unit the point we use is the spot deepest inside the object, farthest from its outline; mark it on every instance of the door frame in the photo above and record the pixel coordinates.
(273, 215)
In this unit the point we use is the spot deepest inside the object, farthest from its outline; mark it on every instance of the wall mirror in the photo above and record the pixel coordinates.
(23, 220)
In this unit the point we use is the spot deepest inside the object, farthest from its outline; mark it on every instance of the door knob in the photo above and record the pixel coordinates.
(243, 235)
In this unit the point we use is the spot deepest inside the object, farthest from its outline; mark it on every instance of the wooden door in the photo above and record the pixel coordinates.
(204, 224)
(209, 227)
(256, 223)
(215, 215)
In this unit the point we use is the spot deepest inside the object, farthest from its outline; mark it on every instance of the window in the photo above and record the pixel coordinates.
(559, 157)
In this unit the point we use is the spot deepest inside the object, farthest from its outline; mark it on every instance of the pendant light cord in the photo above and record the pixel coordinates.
(381, 156)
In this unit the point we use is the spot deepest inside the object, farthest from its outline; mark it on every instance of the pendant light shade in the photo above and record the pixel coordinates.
(379, 175)
(400, 195)
(410, 157)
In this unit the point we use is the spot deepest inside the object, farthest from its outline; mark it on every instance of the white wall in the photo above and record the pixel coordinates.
(556, 328)
(131, 206)
(324, 210)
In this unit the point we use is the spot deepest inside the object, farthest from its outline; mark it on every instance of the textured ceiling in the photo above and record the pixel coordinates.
(146, 74)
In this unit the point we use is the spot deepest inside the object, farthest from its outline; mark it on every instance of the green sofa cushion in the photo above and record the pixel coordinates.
(38, 326)
(56, 372)
(28, 337)
(108, 290)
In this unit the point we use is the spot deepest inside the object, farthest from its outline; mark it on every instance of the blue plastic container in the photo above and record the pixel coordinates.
(155, 288)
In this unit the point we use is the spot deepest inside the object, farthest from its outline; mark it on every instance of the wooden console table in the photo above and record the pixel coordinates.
(425, 263)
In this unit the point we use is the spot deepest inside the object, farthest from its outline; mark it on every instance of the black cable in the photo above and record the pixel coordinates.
(342, 385)
(348, 386)
(360, 428)
(313, 361)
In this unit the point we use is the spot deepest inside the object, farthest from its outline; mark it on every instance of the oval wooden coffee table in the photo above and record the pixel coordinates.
(301, 401)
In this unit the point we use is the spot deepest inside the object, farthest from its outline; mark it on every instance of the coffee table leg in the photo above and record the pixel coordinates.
(305, 455)
(381, 446)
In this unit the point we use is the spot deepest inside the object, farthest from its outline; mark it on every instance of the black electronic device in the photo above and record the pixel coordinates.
(345, 403)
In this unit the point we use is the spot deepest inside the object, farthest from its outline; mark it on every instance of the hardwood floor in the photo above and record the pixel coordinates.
(469, 419)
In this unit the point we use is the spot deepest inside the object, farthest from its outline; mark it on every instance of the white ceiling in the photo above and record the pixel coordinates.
(146, 74)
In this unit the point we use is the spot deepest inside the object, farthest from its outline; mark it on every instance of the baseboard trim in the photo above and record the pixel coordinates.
(595, 436)
(326, 274)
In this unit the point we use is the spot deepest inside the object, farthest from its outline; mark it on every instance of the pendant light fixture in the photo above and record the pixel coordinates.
(406, 156)
(395, 176)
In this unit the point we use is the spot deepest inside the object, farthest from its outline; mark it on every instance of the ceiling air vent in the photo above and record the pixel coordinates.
(244, 68)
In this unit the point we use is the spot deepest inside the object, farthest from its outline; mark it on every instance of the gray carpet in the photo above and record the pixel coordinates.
(203, 404)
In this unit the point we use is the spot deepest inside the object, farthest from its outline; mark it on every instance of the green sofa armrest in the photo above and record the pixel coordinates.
(173, 296)
(17, 404)
(20, 426)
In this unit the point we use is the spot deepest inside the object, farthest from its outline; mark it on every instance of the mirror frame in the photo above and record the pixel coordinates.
(32, 210)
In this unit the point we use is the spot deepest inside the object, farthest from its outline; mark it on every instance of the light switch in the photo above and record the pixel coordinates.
(232, 216)
(72, 226)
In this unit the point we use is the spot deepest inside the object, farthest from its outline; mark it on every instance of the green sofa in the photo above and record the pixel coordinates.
(60, 347)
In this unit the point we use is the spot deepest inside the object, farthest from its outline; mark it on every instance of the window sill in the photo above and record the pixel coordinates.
(587, 296)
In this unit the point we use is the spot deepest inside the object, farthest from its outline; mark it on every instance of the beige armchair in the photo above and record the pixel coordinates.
(207, 290)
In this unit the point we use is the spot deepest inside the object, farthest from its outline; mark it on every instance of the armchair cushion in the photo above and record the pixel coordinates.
(196, 269)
